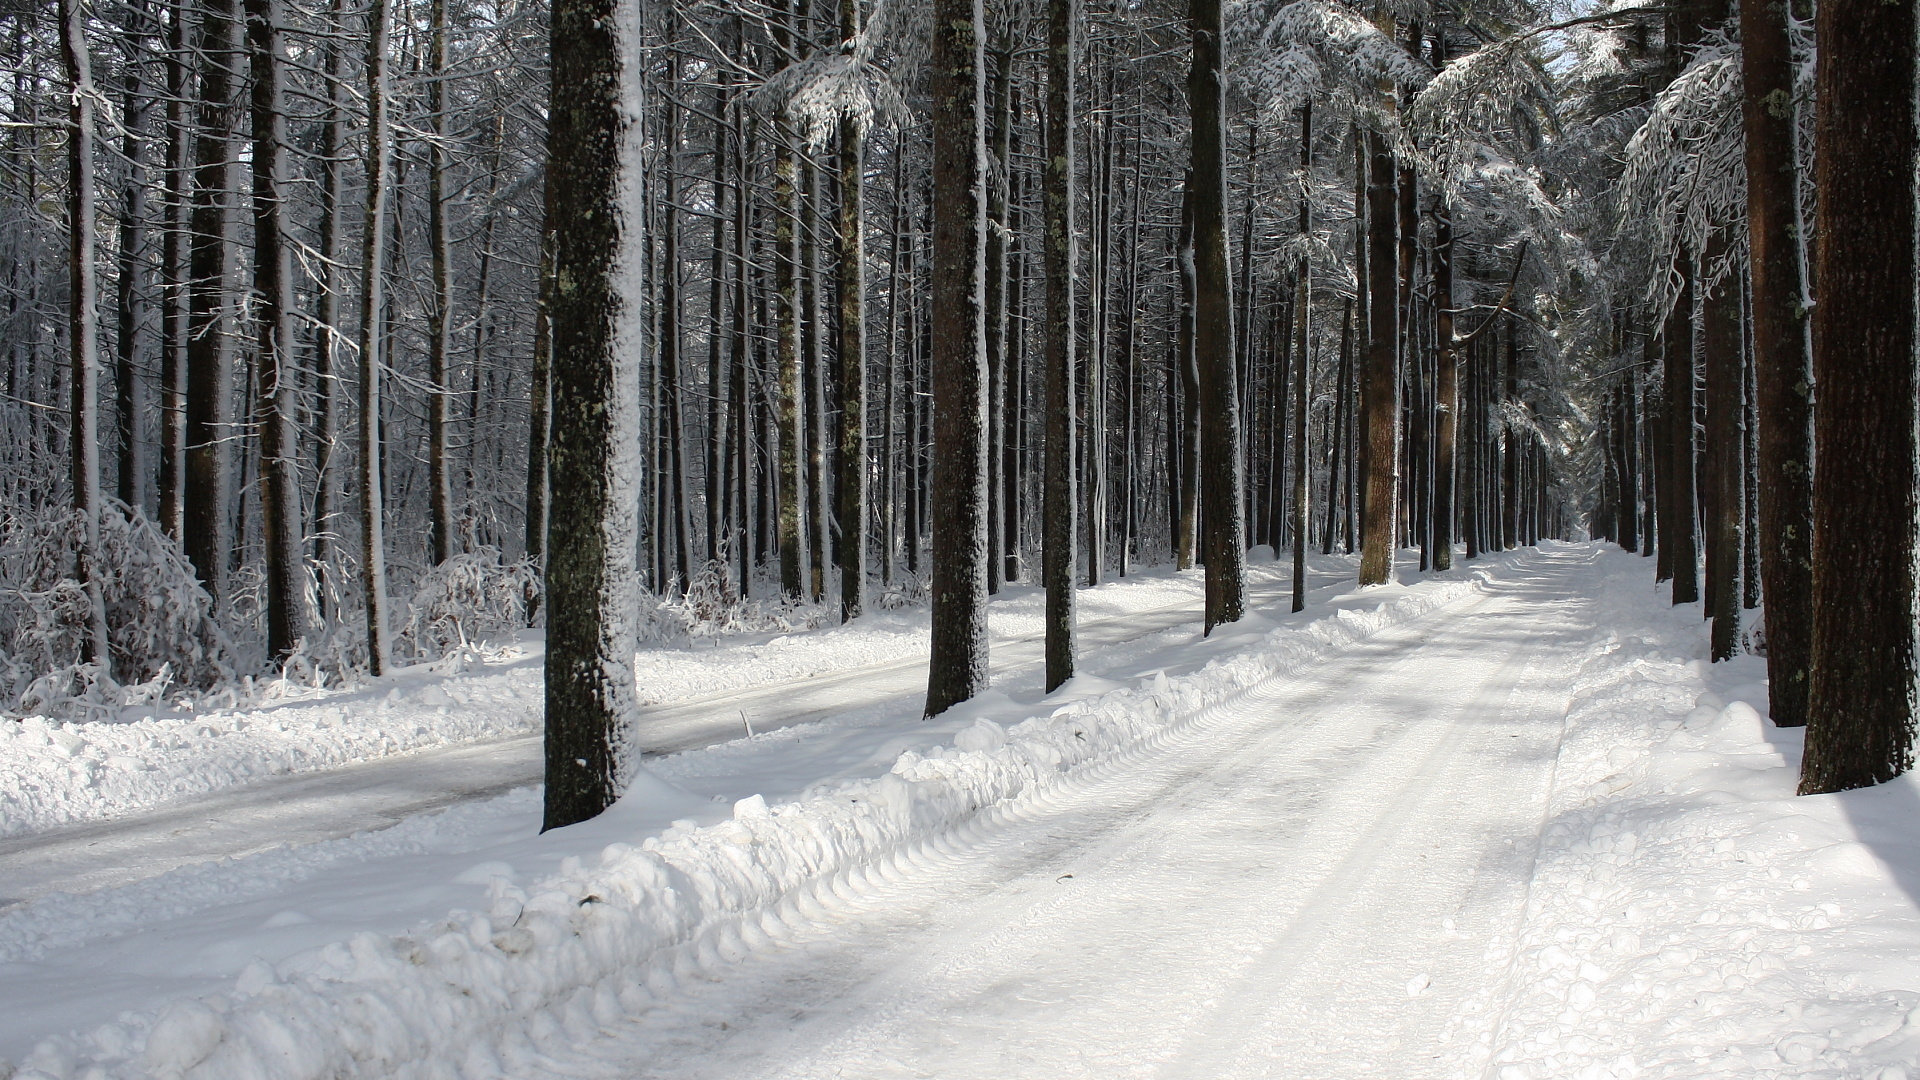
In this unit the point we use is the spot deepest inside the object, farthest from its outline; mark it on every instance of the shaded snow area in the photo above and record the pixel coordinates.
(1504, 823)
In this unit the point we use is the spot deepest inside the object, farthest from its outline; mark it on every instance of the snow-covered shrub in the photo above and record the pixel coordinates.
(711, 605)
(159, 620)
(468, 598)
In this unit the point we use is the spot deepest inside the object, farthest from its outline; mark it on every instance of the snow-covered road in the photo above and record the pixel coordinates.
(1500, 824)
(1325, 877)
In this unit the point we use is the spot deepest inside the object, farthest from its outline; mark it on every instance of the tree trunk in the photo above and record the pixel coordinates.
(1224, 542)
(1303, 366)
(373, 542)
(131, 298)
(1860, 707)
(1186, 545)
(1446, 388)
(274, 296)
(596, 331)
(175, 276)
(1725, 451)
(1380, 384)
(327, 287)
(786, 272)
(1679, 532)
(957, 669)
(207, 530)
(850, 262)
(1783, 370)
(83, 329)
(1059, 501)
(540, 394)
(999, 94)
(440, 340)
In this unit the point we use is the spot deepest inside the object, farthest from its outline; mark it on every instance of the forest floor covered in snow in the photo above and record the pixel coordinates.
(1504, 822)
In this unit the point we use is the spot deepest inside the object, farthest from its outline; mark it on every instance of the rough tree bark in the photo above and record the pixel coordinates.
(850, 263)
(1224, 542)
(1860, 706)
(1722, 492)
(275, 309)
(207, 532)
(1059, 501)
(596, 331)
(440, 340)
(1783, 362)
(1380, 382)
(957, 669)
(1302, 509)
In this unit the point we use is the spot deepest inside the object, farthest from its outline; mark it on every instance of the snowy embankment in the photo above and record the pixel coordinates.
(477, 991)
(55, 773)
(1690, 916)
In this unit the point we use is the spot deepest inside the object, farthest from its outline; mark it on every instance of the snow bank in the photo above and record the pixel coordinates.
(550, 961)
(1689, 915)
(55, 773)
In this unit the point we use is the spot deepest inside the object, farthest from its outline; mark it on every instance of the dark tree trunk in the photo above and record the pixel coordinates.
(1059, 501)
(175, 276)
(1725, 453)
(1380, 385)
(786, 274)
(1224, 540)
(440, 340)
(373, 247)
(957, 669)
(207, 530)
(1303, 366)
(1860, 722)
(851, 268)
(327, 286)
(274, 296)
(1679, 530)
(1186, 543)
(131, 297)
(1446, 387)
(1783, 369)
(590, 565)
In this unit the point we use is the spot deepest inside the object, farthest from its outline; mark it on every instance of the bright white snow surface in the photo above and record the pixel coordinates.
(1502, 823)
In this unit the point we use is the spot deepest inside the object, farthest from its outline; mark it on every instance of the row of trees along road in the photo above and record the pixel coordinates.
(837, 303)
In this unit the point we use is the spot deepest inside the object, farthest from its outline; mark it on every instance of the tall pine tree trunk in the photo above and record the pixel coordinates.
(850, 262)
(1860, 707)
(1303, 365)
(596, 344)
(1446, 387)
(1059, 501)
(1224, 541)
(1783, 363)
(327, 287)
(1679, 531)
(1722, 501)
(175, 275)
(957, 669)
(1380, 383)
(373, 247)
(275, 308)
(207, 529)
(131, 301)
(83, 329)
(440, 340)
